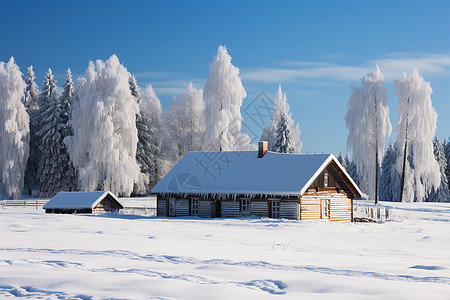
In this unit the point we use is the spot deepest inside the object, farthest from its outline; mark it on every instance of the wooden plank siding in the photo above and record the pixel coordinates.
(161, 207)
(182, 207)
(104, 206)
(259, 208)
(288, 209)
(204, 208)
(340, 205)
(230, 209)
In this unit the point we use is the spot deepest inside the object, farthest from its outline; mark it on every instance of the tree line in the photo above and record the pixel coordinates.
(414, 168)
(103, 133)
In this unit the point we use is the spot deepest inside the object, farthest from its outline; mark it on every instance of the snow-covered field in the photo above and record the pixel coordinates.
(113, 256)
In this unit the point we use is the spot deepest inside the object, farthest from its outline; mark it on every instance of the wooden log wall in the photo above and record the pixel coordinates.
(162, 207)
(104, 206)
(288, 209)
(204, 208)
(259, 208)
(230, 209)
(182, 207)
(340, 205)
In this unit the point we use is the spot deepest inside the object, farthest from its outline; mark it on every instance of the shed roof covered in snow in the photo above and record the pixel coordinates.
(243, 173)
(79, 200)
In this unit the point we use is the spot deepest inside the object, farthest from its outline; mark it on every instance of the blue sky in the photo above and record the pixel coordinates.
(314, 49)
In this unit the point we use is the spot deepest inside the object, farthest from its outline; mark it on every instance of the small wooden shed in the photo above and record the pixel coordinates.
(83, 202)
(259, 183)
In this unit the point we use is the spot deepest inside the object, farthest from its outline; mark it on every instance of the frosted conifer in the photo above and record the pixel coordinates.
(104, 141)
(186, 122)
(440, 194)
(281, 133)
(14, 130)
(223, 96)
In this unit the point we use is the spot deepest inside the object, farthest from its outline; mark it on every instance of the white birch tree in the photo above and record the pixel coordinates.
(367, 120)
(416, 128)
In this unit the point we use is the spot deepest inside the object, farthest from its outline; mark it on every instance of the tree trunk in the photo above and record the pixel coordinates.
(404, 161)
(376, 175)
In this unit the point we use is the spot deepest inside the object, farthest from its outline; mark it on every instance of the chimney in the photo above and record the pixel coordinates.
(262, 148)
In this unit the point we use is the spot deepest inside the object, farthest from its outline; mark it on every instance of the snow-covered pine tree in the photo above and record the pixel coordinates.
(342, 160)
(104, 142)
(351, 170)
(186, 122)
(144, 150)
(441, 194)
(416, 128)
(31, 95)
(223, 96)
(53, 173)
(14, 130)
(281, 133)
(446, 146)
(31, 91)
(387, 169)
(151, 109)
(367, 120)
(69, 181)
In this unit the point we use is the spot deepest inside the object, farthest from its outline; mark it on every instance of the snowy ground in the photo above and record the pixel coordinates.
(112, 256)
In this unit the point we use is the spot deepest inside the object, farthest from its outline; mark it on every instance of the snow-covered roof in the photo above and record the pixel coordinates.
(77, 200)
(243, 173)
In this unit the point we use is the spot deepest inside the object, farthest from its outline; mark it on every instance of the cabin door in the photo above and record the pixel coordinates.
(172, 207)
(324, 208)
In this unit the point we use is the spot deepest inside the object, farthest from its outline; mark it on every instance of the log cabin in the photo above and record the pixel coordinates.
(83, 202)
(257, 183)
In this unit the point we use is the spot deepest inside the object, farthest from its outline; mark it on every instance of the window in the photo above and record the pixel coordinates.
(245, 207)
(275, 209)
(324, 209)
(194, 207)
(325, 179)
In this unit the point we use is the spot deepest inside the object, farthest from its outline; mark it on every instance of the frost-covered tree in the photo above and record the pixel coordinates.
(55, 171)
(351, 170)
(151, 109)
(367, 120)
(389, 176)
(281, 133)
(31, 91)
(223, 96)
(342, 160)
(104, 141)
(49, 172)
(70, 180)
(446, 146)
(144, 149)
(416, 127)
(186, 122)
(31, 95)
(14, 130)
(440, 194)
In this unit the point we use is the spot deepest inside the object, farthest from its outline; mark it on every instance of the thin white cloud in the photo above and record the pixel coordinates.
(427, 65)
(175, 87)
(154, 74)
(392, 67)
(276, 75)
